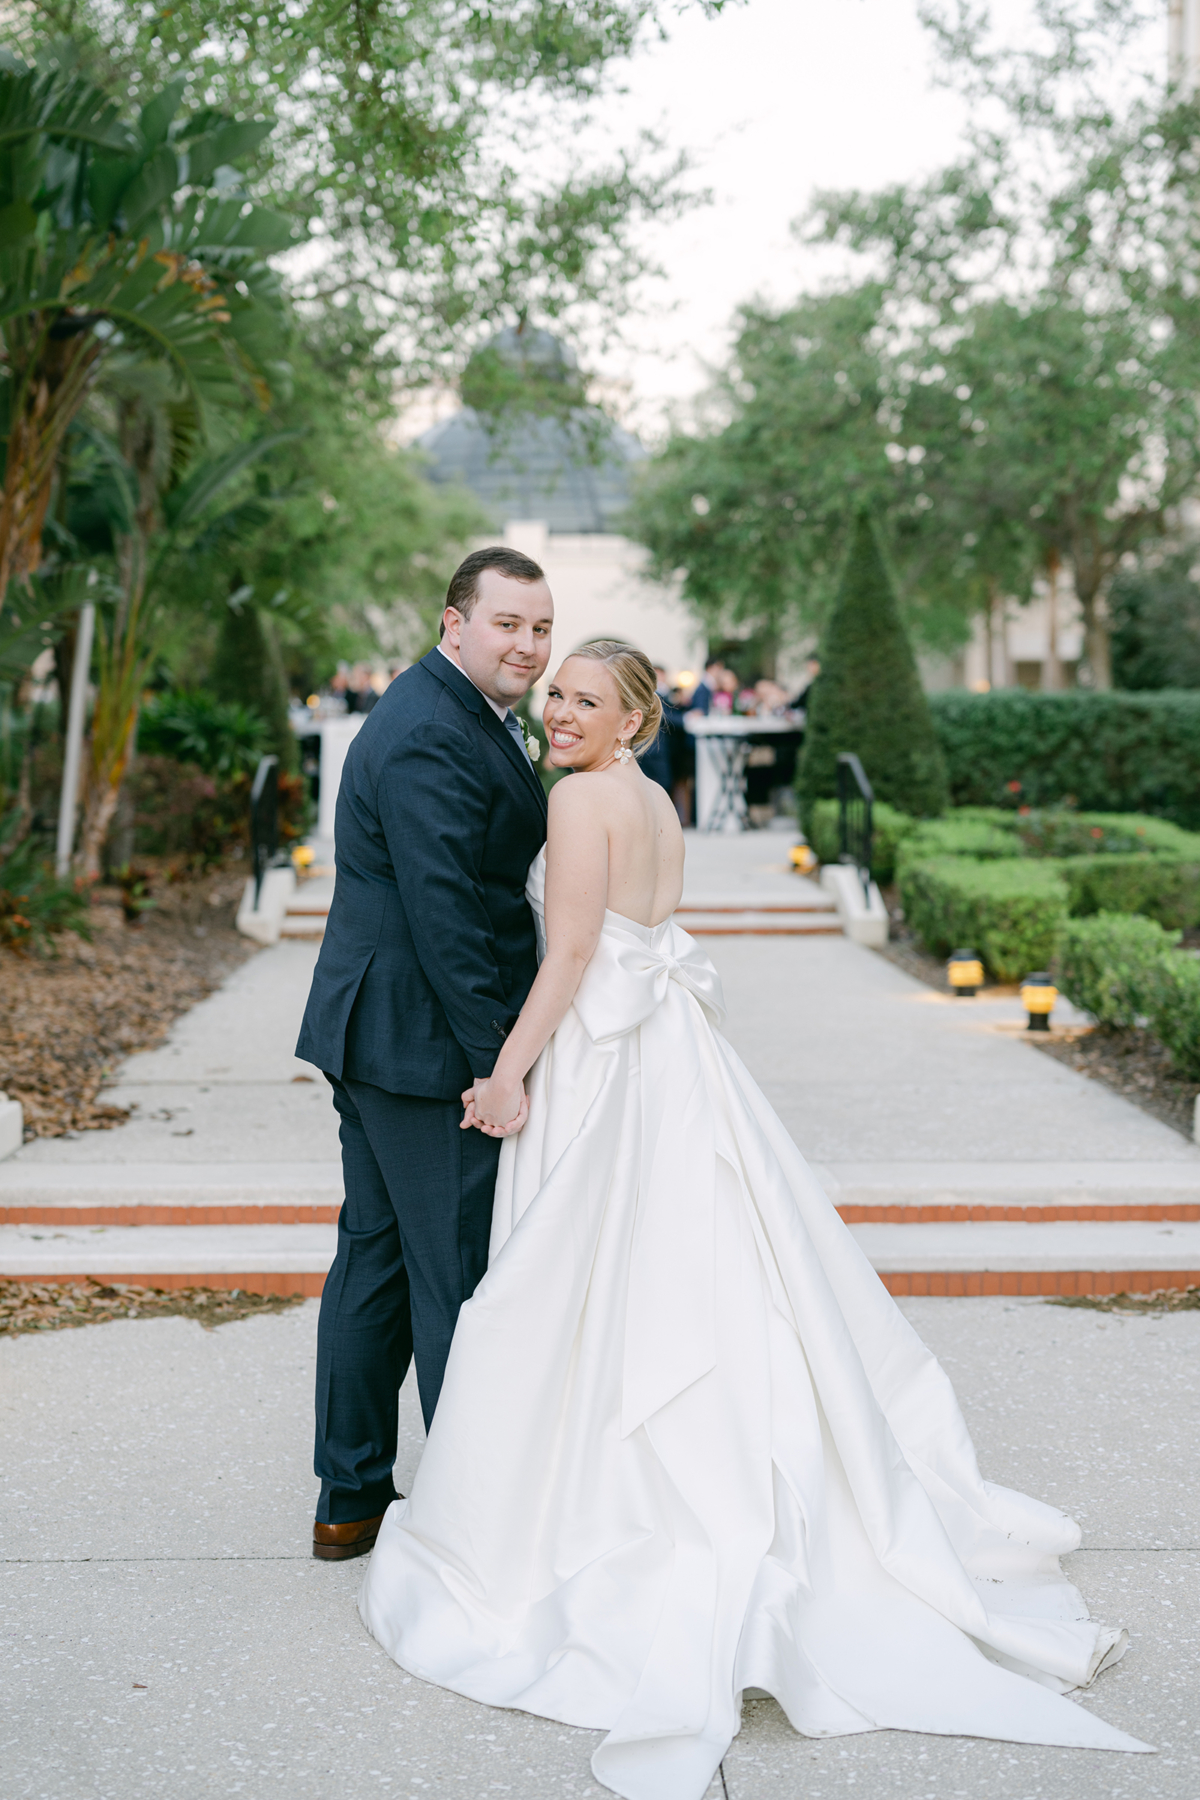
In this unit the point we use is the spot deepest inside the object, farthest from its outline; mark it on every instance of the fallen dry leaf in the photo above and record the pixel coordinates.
(60, 1305)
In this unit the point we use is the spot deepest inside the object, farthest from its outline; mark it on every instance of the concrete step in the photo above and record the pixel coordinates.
(957, 1259)
(759, 914)
(1054, 1258)
(778, 922)
(302, 925)
(908, 1194)
(174, 1194)
(308, 907)
(1015, 1192)
(262, 1259)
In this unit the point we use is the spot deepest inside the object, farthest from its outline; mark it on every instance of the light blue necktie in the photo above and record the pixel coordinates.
(514, 725)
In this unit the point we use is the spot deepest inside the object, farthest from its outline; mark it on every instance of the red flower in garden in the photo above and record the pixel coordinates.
(1014, 787)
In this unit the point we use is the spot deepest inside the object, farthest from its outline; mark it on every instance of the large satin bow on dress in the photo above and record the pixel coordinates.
(626, 981)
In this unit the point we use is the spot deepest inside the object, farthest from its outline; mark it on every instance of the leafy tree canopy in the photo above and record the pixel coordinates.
(419, 141)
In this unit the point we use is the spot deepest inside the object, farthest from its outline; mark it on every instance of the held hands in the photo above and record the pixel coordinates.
(495, 1108)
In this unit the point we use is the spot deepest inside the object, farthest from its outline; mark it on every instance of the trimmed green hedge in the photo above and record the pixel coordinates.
(1010, 910)
(1175, 1011)
(957, 836)
(891, 827)
(1123, 970)
(1163, 888)
(1108, 965)
(1057, 832)
(1115, 751)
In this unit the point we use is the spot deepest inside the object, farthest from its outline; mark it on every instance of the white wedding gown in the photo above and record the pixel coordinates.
(688, 1448)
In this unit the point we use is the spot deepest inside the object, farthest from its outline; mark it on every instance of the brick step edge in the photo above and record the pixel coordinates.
(1034, 1283)
(763, 930)
(1069, 1212)
(147, 1213)
(220, 1213)
(981, 1284)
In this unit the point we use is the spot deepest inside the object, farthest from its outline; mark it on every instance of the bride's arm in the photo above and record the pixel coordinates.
(576, 896)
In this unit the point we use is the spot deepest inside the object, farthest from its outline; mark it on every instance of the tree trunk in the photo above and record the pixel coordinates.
(97, 817)
(1097, 642)
(47, 400)
(1052, 669)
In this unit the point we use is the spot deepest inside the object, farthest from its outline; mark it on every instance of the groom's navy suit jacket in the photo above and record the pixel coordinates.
(429, 950)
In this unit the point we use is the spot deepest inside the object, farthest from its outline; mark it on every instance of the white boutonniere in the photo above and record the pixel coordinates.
(531, 743)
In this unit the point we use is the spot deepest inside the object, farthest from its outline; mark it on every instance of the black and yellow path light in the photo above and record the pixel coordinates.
(1038, 994)
(965, 974)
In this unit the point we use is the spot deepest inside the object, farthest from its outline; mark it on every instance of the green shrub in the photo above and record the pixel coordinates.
(1060, 832)
(890, 828)
(181, 811)
(35, 904)
(868, 697)
(220, 737)
(1174, 1010)
(958, 836)
(1010, 910)
(247, 670)
(178, 810)
(1108, 966)
(1101, 751)
(1002, 817)
(1163, 888)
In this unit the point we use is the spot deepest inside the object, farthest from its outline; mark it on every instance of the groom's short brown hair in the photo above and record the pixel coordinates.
(464, 583)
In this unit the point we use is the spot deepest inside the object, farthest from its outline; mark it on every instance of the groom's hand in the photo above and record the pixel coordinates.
(495, 1110)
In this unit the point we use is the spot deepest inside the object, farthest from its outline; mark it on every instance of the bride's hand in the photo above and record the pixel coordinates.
(497, 1111)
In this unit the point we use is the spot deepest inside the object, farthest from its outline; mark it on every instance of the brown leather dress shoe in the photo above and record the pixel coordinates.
(335, 1542)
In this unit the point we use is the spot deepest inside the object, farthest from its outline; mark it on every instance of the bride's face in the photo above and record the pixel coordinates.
(584, 717)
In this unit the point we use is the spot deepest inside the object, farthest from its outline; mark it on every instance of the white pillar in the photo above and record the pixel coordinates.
(337, 735)
(1183, 52)
(68, 798)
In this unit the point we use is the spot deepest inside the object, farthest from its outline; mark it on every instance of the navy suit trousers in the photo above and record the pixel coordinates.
(412, 1246)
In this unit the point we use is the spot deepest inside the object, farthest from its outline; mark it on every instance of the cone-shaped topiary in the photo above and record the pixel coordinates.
(868, 697)
(248, 668)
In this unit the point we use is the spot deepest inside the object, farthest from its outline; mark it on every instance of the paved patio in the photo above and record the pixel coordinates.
(166, 1630)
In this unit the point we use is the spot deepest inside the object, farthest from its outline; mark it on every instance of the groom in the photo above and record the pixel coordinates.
(428, 955)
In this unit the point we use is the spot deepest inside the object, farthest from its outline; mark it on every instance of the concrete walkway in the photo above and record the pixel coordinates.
(169, 1631)
(166, 1631)
(966, 1161)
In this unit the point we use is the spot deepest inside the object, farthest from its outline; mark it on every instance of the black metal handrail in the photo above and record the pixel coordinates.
(855, 830)
(264, 820)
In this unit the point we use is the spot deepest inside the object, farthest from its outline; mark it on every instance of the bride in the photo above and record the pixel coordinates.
(688, 1449)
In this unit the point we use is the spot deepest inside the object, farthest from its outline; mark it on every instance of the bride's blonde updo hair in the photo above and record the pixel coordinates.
(633, 673)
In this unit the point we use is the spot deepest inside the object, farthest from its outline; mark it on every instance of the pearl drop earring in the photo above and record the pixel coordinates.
(623, 752)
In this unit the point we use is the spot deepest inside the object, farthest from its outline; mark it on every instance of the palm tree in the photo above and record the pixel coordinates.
(114, 236)
(122, 245)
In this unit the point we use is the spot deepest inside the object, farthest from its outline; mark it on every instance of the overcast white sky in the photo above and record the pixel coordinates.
(775, 98)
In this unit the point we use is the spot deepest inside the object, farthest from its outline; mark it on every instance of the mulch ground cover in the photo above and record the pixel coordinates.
(60, 1305)
(1132, 1063)
(67, 1020)
(1163, 1300)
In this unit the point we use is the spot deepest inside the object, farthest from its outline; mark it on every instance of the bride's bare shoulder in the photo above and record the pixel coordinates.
(575, 797)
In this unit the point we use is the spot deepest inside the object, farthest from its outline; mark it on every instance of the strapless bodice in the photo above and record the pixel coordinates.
(632, 967)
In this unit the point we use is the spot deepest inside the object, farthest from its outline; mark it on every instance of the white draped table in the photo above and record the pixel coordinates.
(722, 753)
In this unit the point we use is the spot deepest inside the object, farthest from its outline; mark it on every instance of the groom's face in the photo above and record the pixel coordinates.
(505, 644)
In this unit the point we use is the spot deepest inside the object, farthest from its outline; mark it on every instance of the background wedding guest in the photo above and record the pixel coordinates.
(656, 759)
(705, 689)
(812, 669)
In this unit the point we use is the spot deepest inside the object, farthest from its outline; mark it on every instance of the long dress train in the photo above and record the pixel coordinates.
(689, 1448)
